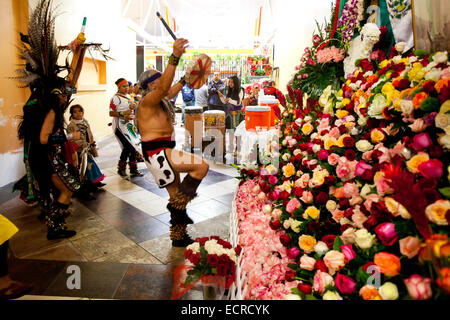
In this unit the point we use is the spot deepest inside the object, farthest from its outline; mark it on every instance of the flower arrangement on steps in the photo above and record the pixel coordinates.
(361, 198)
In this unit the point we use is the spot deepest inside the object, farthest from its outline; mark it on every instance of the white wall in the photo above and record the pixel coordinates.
(295, 21)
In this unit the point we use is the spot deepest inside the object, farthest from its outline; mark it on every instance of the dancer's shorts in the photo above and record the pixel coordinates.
(154, 152)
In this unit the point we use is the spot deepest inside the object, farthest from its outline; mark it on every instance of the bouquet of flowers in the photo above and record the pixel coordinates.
(363, 187)
(209, 260)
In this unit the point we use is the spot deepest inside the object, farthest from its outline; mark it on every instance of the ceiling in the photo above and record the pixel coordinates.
(205, 23)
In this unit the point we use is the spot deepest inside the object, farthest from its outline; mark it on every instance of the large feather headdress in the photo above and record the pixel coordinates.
(40, 51)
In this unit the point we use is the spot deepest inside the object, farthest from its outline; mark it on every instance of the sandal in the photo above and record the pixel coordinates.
(16, 290)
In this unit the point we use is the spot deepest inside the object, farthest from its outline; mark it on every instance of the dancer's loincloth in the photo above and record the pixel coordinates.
(154, 152)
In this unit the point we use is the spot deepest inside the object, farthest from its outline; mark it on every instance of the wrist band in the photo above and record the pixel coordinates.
(173, 60)
(121, 114)
(182, 80)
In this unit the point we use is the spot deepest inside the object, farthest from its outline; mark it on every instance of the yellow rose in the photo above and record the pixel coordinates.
(414, 163)
(384, 63)
(342, 113)
(340, 93)
(376, 136)
(345, 101)
(445, 107)
(387, 88)
(396, 208)
(307, 243)
(350, 125)
(388, 291)
(404, 60)
(329, 143)
(312, 212)
(307, 128)
(436, 212)
(289, 170)
(319, 177)
(332, 295)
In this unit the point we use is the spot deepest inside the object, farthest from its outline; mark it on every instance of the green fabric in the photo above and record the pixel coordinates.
(389, 40)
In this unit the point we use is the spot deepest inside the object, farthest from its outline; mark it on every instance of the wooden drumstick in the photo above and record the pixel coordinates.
(166, 26)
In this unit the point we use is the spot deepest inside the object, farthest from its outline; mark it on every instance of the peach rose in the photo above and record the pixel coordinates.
(369, 292)
(321, 281)
(334, 260)
(276, 213)
(444, 281)
(307, 262)
(418, 125)
(436, 212)
(388, 263)
(307, 243)
(333, 159)
(348, 236)
(307, 197)
(409, 246)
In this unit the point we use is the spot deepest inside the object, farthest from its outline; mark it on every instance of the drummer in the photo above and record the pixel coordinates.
(155, 120)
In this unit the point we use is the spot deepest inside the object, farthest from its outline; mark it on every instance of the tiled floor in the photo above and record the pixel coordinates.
(122, 246)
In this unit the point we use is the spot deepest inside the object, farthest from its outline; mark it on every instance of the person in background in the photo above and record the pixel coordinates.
(188, 99)
(9, 288)
(93, 175)
(201, 97)
(215, 86)
(232, 100)
(121, 108)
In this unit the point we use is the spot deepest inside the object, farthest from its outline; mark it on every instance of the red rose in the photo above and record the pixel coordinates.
(344, 203)
(344, 227)
(320, 265)
(348, 213)
(229, 279)
(366, 65)
(329, 240)
(345, 284)
(275, 225)
(238, 250)
(367, 265)
(322, 197)
(350, 154)
(330, 180)
(222, 269)
(213, 260)
(342, 129)
(313, 226)
(225, 244)
(187, 253)
(285, 240)
(304, 288)
(202, 240)
(370, 223)
(284, 195)
(195, 258)
(402, 84)
(298, 191)
(289, 275)
(367, 175)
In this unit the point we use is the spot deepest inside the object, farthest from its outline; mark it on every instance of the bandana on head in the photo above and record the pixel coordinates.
(150, 80)
(122, 82)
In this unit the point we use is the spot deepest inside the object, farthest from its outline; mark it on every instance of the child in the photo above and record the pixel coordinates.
(86, 143)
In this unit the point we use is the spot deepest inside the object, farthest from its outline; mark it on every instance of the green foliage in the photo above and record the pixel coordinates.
(338, 243)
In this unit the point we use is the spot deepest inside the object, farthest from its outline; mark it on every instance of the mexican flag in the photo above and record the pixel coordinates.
(400, 16)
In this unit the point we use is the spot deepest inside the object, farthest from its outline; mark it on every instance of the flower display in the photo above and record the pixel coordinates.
(364, 191)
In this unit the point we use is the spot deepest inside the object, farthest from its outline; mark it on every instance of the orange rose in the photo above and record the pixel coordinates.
(339, 193)
(441, 83)
(444, 280)
(435, 242)
(388, 263)
(369, 292)
(307, 243)
(418, 99)
(445, 250)
(373, 78)
(409, 246)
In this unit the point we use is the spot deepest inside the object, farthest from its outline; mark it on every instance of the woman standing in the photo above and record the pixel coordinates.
(233, 101)
(121, 109)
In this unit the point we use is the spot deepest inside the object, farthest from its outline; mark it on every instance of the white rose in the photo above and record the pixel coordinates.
(407, 107)
(332, 295)
(440, 57)
(308, 118)
(445, 140)
(286, 157)
(396, 59)
(406, 153)
(287, 224)
(316, 148)
(364, 239)
(344, 221)
(377, 106)
(362, 121)
(297, 151)
(368, 74)
(321, 248)
(292, 296)
(295, 225)
(363, 146)
(331, 205)
(348, 236)
(442, 120)
(284, 142)
(354, 131)
(388, 291)
(433, 74)
(195, 247)
(400, 47)
(412, 59)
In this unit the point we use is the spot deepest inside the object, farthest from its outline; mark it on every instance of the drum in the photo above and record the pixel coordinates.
(273, 104)
(257, 118)
(197, 71)
(193, 121)
(214, 123)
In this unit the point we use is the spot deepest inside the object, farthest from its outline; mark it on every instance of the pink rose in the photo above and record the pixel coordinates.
(345, 285)
(349, 253)
(333, 159)
(419, 288)
(334, 260)
(418, 125)
(409, 246)
(321, 281)
(361, 166)
(307, 262)
(445, 73)
(273, 180)
(431, 169)
(345, 170)
(421, 141)
(383, 186)
(335, 133)
(307, 197)
(293, 252)
(386, 233)
(276, 213)
(359, 218)
(292, 205)
(350, 190)
(322, 155)
(292, 142)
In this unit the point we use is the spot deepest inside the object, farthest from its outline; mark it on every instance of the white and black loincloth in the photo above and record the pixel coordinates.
(154, 152)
